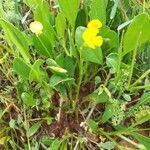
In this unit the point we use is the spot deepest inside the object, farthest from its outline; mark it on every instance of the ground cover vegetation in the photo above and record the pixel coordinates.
(74, 74)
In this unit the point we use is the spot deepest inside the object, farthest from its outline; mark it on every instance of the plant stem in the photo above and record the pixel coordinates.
(108, 137)
(139, 87)
(133, 61)
(60, 106)
(65, 50)
(142, 77)
(120, 58)
(72, 47)
(128, 140)
(90, 113)
(95, 73)
(79, 84)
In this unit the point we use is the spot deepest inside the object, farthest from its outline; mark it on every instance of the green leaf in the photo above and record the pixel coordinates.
(110, 38)
(22, 68)
(78, 36)
(81, 18)
(12, 123)
(144, 140)
(110, 110)
(92, 55)
(67, 63)
(138, 31)
(70, 9)
(107, 145)
(36, 73)
(145, 99)
(28, 99)
(56, 80)
(112, 62)
(98, 10)
(41, 47)
(61, 25)
(58, 70)
(102, 98)
(92, 124)
(16, 37)
(141, 119)
(55, 144)
(42, 14)
(31, 131)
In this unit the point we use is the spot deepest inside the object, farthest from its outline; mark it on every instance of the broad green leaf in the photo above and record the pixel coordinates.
(137, 32)
(16, 37)
(102, 98)
(51, 62)
(112, 62)
(46, 140)
(142, 139)
(78, 36)
(55, 144)
(107, 145)
(81, 18)
(92, 124)
(41, 47)
(28, 99)
(42, 14)
(36, 73)
(92, 55)
(22, 68)
(70, 9)
(110, 110)
(110, 38)
(67, 63)
(61, 25)
(31, 131)
(98, 10)
(56, 80)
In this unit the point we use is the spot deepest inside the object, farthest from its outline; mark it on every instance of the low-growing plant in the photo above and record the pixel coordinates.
(77, 75)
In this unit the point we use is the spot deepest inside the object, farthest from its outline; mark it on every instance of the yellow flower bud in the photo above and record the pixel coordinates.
(36, 27)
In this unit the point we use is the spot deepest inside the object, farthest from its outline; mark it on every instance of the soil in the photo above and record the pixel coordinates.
(67, 124)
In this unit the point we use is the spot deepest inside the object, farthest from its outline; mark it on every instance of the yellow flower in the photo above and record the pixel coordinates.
(36, 27)
(90, 37)
(94, 24)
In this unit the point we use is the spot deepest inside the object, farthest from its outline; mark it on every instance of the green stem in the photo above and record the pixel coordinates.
(139, 87)
(108, 137)
(142, 77)
(128, 140)
(72, 37)
(120, 59)
(26, 126)
(85, 73)
(65, 50)
(133, 62)
(79, 83)
(95, 73)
